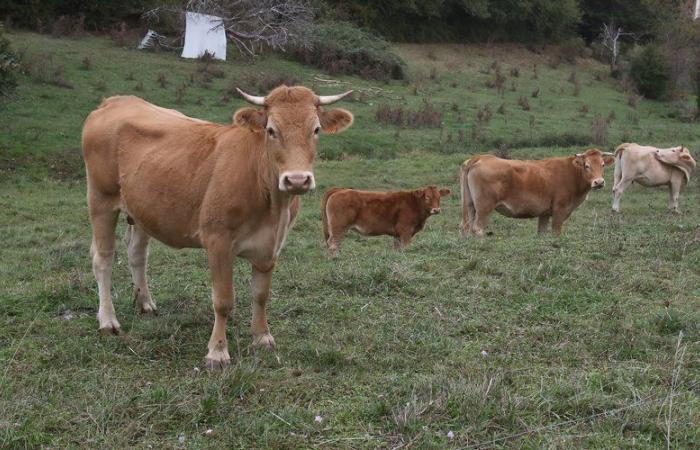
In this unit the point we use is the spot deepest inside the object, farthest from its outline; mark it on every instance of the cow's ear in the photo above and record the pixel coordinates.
(335, 120)
(609, 160)
(252, 118)
(579, 160)
(419, 193)
(685, 157)
(444, 192)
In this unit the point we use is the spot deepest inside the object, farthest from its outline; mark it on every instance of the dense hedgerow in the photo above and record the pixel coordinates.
(341, 48)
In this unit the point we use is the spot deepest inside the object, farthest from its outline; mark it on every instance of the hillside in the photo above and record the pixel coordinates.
(588, 340)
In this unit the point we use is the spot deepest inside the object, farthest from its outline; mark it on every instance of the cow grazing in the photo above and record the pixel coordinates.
(651, 166)
(401, 214)
(231, 189)
(548, 188)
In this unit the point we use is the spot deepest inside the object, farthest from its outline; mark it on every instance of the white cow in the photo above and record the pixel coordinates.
(651, 166)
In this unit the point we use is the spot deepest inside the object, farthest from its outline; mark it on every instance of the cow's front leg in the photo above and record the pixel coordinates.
(558, 218)
(542, 224)
(260, 287)
(221, 267)
(674, 191)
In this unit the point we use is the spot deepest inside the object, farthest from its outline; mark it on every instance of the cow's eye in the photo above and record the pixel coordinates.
(316, 131)
(588, 166)
(271, 132)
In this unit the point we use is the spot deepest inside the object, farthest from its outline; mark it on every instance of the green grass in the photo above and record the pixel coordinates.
(385, 346)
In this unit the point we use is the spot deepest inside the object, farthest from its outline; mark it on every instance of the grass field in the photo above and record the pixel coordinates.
(589, 340)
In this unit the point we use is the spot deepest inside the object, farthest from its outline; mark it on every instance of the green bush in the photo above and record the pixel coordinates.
(341, 48)
(9, 65)
(650, 72)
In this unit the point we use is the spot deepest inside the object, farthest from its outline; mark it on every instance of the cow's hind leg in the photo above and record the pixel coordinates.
(618, 190)
(103, 217)
(137, 249)
(260, 287)
(481, 217)
(542, 224)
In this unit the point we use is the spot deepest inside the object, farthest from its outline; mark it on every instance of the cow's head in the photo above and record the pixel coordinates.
(591, 163)
(291, 118)
(429, 198)
(676, 156)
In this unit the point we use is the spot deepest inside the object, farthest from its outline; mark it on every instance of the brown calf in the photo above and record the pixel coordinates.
(401, 214)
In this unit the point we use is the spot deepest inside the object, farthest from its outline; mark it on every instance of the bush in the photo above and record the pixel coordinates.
(9, 65)
(341, 48)
(650, 72)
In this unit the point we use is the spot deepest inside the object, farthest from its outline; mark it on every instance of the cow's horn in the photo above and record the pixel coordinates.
(260, 101)
(608, 154)
(580, 155)
(328, 99)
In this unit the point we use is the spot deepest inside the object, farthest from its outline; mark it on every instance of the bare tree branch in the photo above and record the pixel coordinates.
(272, 23)
(610, 35)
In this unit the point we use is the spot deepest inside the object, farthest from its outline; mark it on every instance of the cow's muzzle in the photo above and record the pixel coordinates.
(297, 183)
(435, 211)
(598, 184)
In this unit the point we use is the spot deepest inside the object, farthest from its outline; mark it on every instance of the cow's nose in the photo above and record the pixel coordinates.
(297, 182)
(435, 211)
(598, 183)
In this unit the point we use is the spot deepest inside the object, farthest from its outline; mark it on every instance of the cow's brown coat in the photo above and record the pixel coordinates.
(191, 183)
(548, 188)
(400, 214)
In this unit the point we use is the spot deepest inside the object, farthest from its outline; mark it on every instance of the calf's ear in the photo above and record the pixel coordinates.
(444, 192)
(420, 193)
(685, 157)
(252, 118)
(335, 120)
(609, 160)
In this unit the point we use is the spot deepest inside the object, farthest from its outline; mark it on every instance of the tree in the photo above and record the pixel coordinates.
(610, 35)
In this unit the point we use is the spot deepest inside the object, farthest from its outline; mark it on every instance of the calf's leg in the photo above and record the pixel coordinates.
(260, 287)
(542, 224)
(221, 267)
(137, 249)
(103, 216)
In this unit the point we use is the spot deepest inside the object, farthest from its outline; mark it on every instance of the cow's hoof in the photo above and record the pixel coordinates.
(216, 364)
(110, 329)
(148, 307)
(615, 211)
(264, 341)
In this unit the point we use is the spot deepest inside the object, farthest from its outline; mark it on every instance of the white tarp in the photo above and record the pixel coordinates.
(204, 33)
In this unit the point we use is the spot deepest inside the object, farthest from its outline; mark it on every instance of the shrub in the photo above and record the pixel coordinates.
(9, 65)
(650, 72)
(427, 115)
(43, 68)
(341, 48)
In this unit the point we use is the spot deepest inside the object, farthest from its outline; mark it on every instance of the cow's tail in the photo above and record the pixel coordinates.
(618, 163)
(465, 194)
(324, 212)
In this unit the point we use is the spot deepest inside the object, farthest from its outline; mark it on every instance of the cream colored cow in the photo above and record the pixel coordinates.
(651, 166)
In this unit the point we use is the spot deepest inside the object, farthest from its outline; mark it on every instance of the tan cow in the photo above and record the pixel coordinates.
(548, 188)
(651, 166)
(400, 214)
(231, 189)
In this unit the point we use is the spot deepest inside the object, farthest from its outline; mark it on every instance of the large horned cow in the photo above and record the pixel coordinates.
(231, 189)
